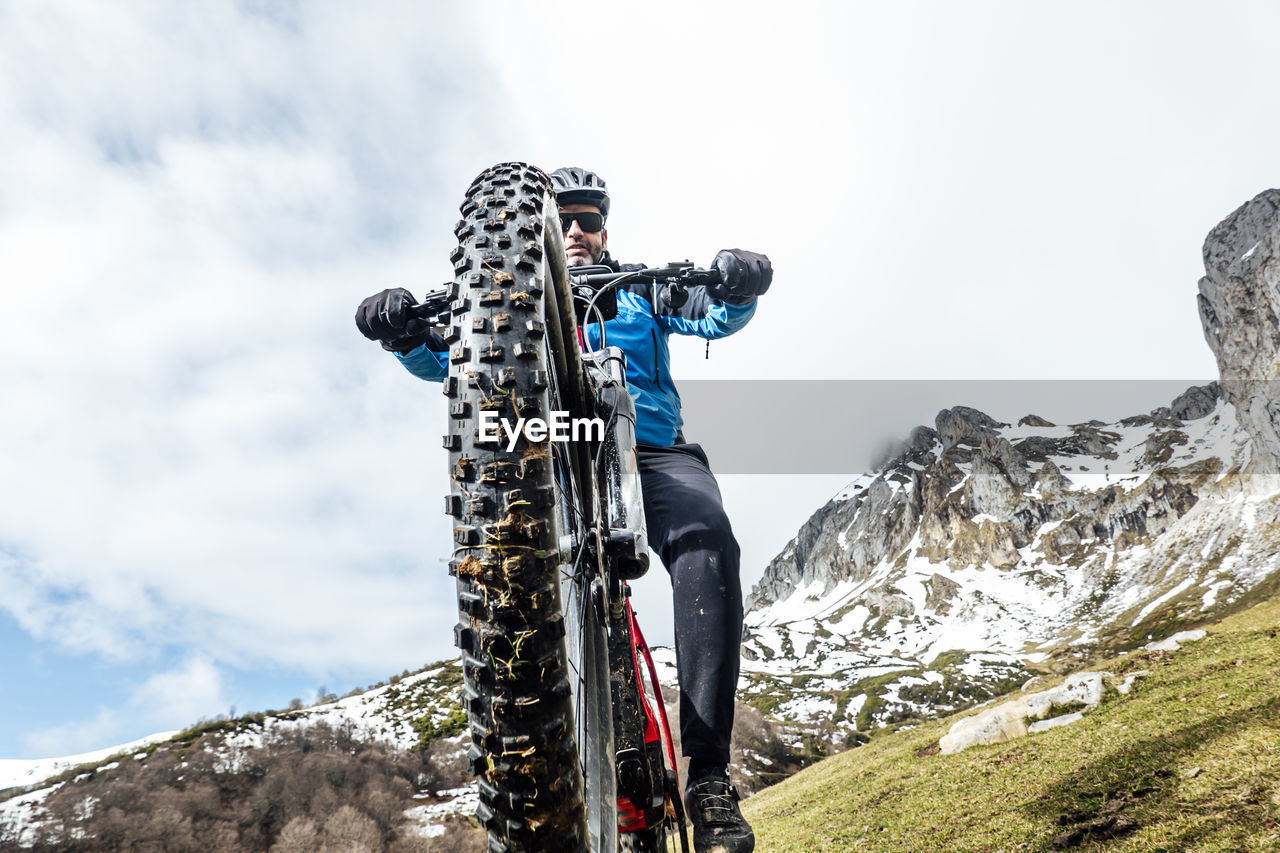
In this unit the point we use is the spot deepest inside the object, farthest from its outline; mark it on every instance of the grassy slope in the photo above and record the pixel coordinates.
(1191, 756)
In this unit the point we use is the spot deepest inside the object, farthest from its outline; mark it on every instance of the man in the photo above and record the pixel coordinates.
(684, 513)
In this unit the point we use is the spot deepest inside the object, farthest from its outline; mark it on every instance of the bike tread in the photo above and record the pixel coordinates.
(510, 631)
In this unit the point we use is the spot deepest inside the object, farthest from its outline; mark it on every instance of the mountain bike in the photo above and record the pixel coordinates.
(570, 743)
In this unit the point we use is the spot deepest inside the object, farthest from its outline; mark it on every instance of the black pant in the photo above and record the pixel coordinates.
(688, 528)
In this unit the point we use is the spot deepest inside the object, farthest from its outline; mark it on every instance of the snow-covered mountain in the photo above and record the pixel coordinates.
(987, 549)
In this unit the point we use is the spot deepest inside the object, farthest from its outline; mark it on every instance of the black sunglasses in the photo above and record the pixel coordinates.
(589, 222)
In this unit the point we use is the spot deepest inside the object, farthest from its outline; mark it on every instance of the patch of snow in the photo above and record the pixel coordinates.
(1210, 596)
(20, 773)
(1249, 514)
(1171, 644)
(1153, 604)
(808, 707)
(24, 814)
(1125, 686)
(455, 802)
(664, 661)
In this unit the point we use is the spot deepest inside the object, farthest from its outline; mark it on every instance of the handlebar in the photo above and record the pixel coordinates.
(676, 273)
(588, 282)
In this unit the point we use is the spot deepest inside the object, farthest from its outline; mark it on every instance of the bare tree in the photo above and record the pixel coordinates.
(298, 836)
(350, 831)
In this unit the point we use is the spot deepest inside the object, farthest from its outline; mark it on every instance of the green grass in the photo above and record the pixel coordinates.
(428, 730)
(1189, 760)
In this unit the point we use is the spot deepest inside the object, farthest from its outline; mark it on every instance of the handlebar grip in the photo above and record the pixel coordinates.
(596, 279)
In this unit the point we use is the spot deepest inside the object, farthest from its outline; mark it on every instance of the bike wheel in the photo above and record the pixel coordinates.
(511, 506)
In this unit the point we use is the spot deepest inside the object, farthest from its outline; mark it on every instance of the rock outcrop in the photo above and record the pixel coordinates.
(1195, 402)
(1239, 307)
(1028, 713)
(963, 425)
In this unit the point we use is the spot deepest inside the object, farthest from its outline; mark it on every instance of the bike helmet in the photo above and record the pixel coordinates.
(576, 185)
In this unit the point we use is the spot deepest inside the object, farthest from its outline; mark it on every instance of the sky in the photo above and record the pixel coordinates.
(215, 495)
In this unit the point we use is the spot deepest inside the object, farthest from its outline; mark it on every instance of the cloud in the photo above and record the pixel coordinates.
(179, 697)
(195, 201)
(166, 701)
(73, 738)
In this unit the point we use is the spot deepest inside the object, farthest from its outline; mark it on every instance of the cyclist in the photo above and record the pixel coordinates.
(684, 512)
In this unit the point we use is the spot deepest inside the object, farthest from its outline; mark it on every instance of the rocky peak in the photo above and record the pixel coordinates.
(921, 439)
(1239, 302)
(963, 425)
(1196, 402)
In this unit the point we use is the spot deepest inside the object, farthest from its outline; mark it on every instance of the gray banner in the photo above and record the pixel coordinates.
(850, 426)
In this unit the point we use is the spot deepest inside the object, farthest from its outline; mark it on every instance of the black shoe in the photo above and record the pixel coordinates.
(718, 825)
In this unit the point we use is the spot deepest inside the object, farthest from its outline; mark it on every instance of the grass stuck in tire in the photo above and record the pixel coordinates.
(1189, 760)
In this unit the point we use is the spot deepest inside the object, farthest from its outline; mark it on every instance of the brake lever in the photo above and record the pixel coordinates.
(433, 304)
(675, 295)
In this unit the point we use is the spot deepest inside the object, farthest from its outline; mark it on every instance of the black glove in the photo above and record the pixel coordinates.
(383, 318)
(743, 276)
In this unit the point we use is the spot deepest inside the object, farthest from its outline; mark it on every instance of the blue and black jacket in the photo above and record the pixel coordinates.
(640, 330)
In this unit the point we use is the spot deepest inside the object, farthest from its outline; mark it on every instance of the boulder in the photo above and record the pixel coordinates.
(1014, 718)
(890, 604)
(940, 591)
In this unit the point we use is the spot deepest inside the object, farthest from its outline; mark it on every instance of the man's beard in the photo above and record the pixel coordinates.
(586, 258)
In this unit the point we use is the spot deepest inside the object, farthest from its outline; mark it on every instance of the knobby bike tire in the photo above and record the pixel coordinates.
(510, 508)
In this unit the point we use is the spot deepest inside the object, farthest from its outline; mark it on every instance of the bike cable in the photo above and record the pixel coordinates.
(600, 291)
